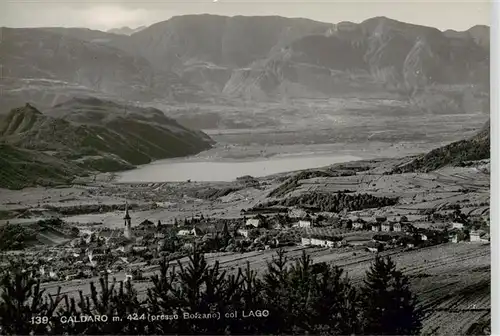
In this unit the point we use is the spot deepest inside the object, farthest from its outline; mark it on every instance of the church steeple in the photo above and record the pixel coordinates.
(127, 216)
(127, 232)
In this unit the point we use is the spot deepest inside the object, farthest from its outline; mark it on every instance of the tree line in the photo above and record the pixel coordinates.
(299, 297)
(334, 202)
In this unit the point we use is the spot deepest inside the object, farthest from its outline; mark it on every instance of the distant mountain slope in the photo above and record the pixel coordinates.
(475, 148)
(101, 135)
(126, 30)
(44, 54)
(378, 53)
(226, 41)
(481, 35)
(23, 168)
(259, 58)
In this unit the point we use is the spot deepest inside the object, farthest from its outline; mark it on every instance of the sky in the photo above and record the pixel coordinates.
(104, 15)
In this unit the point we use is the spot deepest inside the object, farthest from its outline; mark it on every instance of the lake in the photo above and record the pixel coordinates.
(178, 170)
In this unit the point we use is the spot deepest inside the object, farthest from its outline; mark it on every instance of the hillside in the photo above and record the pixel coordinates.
(43, 232)
(100, 135)
(456, 153)
(125, 30)
(378, 54)
(23, 168)
(71, 57)
(226, 41)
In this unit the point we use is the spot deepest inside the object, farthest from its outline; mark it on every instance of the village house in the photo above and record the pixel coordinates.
(459, 226)
(190, 232)
(479, 236)
(475, 236)
(184, 232)
(358, 225)
(303, 224)
(375, 227)
(407, 228)
(243, 232)
(306, 241)
(397, 227)
(255, 222)
(321, 241)
(386, 227)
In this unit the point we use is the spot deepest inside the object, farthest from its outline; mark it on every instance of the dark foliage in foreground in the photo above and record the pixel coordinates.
(297, 298)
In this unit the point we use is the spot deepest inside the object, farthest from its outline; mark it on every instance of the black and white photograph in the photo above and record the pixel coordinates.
(228, 167)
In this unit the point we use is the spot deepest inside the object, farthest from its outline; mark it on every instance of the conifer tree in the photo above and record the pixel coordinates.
(275, 291)
(335, 304)
(389, 306)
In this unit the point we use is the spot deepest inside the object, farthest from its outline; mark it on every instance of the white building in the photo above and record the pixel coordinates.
(459, 226)
(305, 224)
(319, 242)
(184, 232)
(322, 242)
(255, 222)
(358, 226)
(479, 236)
(243, 232)
(306, 241)
(386, 227)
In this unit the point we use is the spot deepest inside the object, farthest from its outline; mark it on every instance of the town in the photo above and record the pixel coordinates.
(139, 246)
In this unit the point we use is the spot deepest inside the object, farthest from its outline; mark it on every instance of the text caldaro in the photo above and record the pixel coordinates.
(84, 319)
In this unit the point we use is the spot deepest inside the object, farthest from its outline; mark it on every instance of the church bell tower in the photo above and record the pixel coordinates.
(127, 233)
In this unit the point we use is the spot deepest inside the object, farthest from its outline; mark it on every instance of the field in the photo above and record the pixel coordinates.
(452, 281)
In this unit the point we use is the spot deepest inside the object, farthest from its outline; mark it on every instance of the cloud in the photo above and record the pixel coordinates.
(92, 15)
(110, 16)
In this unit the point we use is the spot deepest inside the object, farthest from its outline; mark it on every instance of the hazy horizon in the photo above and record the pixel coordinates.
(91, 14)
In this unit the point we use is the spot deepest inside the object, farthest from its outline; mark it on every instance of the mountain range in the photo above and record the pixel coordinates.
(125, 30)
(199, 57)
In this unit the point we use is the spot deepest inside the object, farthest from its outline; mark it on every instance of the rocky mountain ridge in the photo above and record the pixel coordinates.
(95, 135)
(258, 58)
